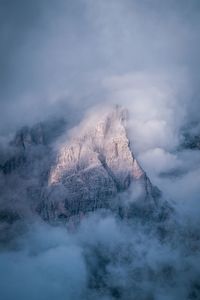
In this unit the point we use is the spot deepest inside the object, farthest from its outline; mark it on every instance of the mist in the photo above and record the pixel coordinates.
(115, 260)
(59, 55)
(68, 60)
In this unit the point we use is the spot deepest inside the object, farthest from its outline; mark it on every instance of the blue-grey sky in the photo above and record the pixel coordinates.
(60, 52)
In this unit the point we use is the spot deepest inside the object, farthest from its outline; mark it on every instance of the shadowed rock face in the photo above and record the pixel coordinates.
(27, 140)
(93, 166)
(24, 167)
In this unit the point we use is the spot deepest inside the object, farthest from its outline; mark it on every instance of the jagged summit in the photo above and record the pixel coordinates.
(94, 165)
(99, 142)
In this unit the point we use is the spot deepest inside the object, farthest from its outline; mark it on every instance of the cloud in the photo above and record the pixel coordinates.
(58, 55)
(156, 106)
(47, 266)
(104, 259)
(159, 107)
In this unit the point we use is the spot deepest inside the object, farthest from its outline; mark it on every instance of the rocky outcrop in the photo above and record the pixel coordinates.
(93, 166)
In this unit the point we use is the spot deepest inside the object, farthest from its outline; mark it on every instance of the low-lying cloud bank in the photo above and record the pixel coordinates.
(104, 259)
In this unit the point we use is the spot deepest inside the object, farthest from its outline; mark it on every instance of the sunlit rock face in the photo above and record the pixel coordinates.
(94, 165)
(93, 168)
(100, 144)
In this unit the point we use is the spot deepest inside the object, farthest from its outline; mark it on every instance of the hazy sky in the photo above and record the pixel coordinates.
(63, 52)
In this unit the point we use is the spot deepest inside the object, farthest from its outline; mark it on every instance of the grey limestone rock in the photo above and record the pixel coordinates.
(93, 167)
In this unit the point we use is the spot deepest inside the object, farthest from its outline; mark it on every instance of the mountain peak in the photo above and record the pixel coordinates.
(93, 168)
(99, 141)
(93, 165)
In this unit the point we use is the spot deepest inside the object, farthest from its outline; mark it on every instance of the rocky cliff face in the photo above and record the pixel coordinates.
(93, 168)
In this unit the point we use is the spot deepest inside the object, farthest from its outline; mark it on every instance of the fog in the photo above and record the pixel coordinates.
(104, 259)
(59, 55)
(67, 59)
